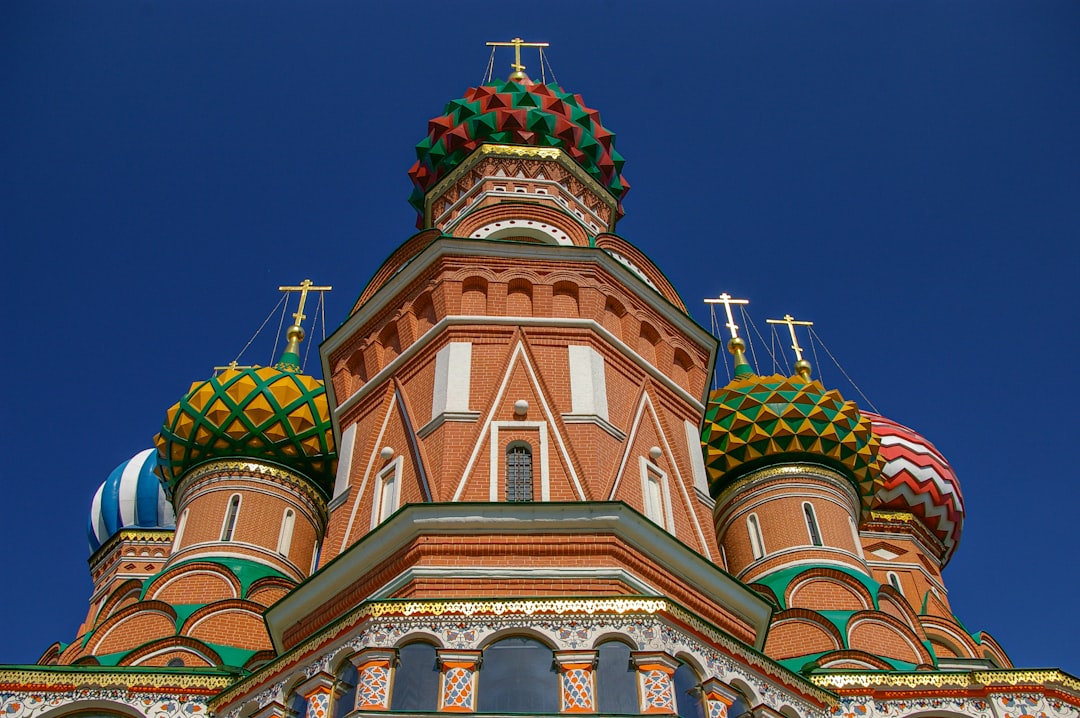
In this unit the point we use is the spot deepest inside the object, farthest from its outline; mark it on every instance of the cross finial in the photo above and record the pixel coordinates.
(735, 345)
(231, 366)
(295, 334)
(802, 367)
(517, 43)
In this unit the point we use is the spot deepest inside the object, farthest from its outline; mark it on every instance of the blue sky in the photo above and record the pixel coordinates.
(905, 174)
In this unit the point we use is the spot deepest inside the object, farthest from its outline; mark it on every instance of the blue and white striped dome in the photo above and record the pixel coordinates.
(131, 496)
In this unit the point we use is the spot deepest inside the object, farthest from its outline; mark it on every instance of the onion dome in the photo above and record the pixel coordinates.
(132, 496)
(918, 480)
(270, 414)
(757, 421)
(516, 113)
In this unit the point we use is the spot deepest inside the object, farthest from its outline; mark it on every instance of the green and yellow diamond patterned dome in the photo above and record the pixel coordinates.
(755, 422)
(265, 413)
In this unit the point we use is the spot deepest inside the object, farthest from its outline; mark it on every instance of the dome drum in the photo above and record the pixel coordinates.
(546, 176)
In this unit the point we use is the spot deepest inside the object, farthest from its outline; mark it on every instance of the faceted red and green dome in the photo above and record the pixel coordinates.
(755, 422)
(262, 413)
(516, 113)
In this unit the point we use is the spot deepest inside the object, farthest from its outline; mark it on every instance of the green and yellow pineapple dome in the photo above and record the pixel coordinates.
(755, 422)
(272, 414)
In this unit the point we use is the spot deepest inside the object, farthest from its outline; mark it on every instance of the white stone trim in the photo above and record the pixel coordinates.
(497, 456)
(411, 271)
(639, 585)
(390, 472)
(588, 383)
(345, 460)
(613, 518)
(375, 447)
(645, 404)
(453, 378)
(648, 470)
(594, 419)
(697, 459)
(519, 354)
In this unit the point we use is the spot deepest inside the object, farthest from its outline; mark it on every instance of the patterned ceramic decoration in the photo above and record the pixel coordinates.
(919, 480)
(131, 496)
(755, 421)
(504, 112)
(259, 413)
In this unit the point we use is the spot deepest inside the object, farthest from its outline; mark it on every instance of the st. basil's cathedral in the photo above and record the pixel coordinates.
(516, 493)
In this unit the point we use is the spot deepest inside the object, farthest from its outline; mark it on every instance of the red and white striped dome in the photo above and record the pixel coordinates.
(919, 480)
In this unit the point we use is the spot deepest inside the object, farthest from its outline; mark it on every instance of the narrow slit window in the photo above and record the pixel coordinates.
(654, 499)
(753, 527)
(285, 537)
(230, 518)
(519, 473)
(894, 581)
(812, 524)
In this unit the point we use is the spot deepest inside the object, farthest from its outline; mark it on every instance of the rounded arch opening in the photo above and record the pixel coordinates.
(416, 677)
(518, 676)
(616, 677)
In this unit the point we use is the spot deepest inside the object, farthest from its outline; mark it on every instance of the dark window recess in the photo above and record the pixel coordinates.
(416, 679)
(518, 676)
(616, 679)
(519, 474)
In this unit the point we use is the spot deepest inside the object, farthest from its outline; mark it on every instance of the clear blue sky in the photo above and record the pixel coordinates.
(903, 173)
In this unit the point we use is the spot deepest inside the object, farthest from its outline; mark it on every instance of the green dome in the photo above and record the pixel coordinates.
(759, 421)
(262, 413)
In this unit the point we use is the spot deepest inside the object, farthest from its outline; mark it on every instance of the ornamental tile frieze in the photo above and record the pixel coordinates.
(647, 624)
(33, 704)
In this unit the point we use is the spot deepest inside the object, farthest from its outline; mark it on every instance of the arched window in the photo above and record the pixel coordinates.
(284, 541)
(894, 581)
(811, 524)
(345, 690)
(518, 676)
(229, 526)
(519, 473)
(416, 679)
(616, 679)
(740, 708)
(297, 706)
(757, 543)
(688, 692)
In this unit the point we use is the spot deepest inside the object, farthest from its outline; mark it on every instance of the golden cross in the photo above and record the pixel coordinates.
(517, 43)
(230, 366)
(791, 323)
(727, 301)
(305, 287)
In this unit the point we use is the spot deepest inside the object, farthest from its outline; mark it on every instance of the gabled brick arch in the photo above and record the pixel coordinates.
(799, 631)
(882, 635)
(133, 626)
(236, 623)
(200, 577)
(889, 597)
(121, 596)
(853, 660)
(160, 652)
(825, 585)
